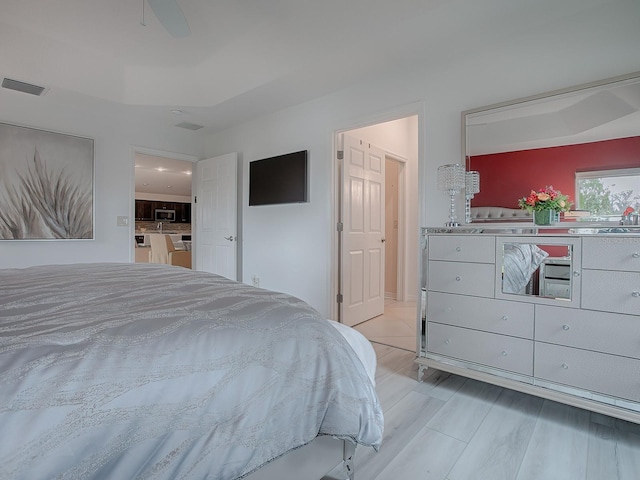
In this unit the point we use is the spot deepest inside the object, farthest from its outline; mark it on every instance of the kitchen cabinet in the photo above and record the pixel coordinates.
(183, 212)
(145, 210)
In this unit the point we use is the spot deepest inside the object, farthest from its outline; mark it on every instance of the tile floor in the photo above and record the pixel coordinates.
(395, 328)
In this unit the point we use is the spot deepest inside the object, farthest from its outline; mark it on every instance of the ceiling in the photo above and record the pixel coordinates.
(243, 58)
(159, 175)
(246, 58)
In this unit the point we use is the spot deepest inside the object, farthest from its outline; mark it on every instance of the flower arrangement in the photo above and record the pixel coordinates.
(545, 199)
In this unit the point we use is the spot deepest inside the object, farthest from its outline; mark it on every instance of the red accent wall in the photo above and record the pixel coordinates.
(553, 250)
(506, 177)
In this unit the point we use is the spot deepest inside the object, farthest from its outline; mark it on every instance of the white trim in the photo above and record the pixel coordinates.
(621, 172)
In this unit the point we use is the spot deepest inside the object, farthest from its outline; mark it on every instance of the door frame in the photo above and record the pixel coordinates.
(401, 294)
(133, 150)
(414, 109)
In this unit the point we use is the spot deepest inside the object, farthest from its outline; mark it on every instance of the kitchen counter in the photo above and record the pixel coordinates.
(176, 238)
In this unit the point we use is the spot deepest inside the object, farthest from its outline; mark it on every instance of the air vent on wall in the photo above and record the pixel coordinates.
(23, 87)
(189, 126)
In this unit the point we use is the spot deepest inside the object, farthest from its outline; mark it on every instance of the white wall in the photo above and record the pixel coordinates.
(113, 190)
(290, 247)
(554, 44)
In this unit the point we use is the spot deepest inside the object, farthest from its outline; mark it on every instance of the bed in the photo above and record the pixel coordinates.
(499, 214)
(151, 371)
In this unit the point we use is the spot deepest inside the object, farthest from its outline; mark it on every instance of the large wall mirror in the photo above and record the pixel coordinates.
(584, 141)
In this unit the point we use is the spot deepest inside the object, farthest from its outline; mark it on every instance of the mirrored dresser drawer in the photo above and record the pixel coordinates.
(487, 314)
(609, 253)
(592, 371)
(463, 248)
(461, 277)
(499, 351)
(611, 291)
(589, 330)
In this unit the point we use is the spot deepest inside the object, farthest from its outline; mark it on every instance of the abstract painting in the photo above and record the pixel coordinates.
(46, 185)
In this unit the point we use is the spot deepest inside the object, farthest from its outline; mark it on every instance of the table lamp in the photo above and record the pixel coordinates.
(451, 179)
(471, 187)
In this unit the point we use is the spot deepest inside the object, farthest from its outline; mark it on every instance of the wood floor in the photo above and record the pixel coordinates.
(396, 327)
(452, 428)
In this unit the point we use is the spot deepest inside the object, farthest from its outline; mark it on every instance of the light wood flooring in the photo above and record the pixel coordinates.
(396, 327)
(452, 428)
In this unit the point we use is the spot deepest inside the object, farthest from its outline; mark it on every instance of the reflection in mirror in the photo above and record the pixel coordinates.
(537, 269)
(568, 139)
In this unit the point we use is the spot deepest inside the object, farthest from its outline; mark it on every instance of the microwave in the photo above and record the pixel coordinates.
(163, 215)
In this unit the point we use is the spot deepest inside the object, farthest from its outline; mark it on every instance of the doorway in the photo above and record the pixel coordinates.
(396, 323)
(162, 202)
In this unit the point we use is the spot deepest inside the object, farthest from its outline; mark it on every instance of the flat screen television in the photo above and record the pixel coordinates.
(277, 180)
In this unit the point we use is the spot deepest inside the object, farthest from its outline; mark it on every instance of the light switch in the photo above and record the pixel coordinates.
(123, 221)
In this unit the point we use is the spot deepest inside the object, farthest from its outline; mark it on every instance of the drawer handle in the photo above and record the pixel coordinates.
(504, 353)
(458, 249)
(565, 327)
(505, 317)
(565, 366)
(635, 294)
(576, 273)
(635, 254)
(447, 341)
(458, 278)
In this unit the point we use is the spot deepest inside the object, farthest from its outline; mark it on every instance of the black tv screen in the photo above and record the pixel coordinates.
(276, 180)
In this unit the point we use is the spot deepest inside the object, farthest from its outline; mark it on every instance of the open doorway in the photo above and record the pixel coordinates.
(396, 323)
(162, 202)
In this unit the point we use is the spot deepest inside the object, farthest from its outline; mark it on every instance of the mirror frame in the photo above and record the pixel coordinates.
(523, 101)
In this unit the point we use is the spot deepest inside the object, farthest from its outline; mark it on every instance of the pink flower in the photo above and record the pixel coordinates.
(543, 197)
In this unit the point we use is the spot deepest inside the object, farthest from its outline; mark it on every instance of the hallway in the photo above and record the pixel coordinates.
(395, 328)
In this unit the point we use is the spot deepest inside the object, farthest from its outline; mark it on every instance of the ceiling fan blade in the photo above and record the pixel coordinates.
(171, 17)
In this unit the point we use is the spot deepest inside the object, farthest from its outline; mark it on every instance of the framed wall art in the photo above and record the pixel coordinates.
(46, 185)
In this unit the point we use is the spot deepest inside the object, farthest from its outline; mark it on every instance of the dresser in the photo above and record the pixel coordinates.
(555, 315)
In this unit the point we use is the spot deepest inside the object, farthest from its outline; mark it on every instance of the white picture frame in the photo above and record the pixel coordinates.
(46, 185)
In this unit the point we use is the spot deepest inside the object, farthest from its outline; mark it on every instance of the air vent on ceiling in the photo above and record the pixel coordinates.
(23, 87)
(189, 126)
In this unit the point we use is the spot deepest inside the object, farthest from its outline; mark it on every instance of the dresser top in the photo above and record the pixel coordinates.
(521, 228)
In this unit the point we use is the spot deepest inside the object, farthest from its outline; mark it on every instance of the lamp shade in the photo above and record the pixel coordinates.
(472, 183)
(451, 178)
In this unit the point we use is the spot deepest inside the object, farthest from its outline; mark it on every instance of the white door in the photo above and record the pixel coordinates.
(363, 216)
(217, 215)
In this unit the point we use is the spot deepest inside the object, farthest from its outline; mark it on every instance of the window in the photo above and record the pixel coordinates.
(606, 194)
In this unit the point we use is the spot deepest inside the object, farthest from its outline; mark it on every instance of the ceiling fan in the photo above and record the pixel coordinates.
(170, 16)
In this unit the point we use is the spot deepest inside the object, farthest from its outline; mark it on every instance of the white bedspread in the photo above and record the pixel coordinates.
(135, 371)
(361, 346)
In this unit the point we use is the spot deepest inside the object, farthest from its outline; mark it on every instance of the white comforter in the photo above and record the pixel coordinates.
(123, 371)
